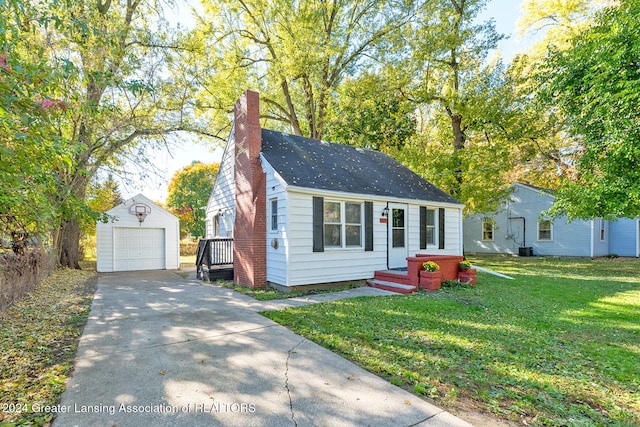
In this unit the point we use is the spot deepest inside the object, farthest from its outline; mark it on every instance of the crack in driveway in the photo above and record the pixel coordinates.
(286, 381)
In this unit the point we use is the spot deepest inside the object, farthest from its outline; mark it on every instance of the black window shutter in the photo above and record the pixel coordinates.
(423, 227)
(368, 226)
(318, 224)
(441, 228)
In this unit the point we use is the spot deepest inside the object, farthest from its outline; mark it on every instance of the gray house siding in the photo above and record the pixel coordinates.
(517, 224)
(624, 237)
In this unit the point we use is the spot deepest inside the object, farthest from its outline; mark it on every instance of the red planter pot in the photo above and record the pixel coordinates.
(430, 280)
(467, 276)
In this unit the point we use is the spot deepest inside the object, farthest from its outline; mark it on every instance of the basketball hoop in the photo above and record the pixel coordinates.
(140, 210)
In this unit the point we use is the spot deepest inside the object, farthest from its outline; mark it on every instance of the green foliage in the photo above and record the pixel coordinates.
(31, 147)
(556, 346)
(596, 84)
(102, 73)
(189, 192)
(453, 284)
(296, 54)
(371, 112)
(465, 265)
(104, 195)
(467, 104)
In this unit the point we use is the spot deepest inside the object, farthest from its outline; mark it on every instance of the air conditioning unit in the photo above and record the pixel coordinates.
(525, 251)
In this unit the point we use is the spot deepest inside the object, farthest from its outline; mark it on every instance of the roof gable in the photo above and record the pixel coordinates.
(123, 207)
(309, 163)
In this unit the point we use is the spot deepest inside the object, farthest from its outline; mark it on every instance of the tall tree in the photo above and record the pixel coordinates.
(118, 89)
(371, 111)
(466, 103)
(545, 154)
(30, 146)
(295, 53)
(596, 84)
(189, 191)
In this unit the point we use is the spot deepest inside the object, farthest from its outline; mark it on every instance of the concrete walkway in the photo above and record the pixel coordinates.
(160, 350)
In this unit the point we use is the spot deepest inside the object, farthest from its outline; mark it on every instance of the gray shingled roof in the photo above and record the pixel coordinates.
(309, 163)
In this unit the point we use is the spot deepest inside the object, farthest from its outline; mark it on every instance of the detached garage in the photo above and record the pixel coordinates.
(140, 236)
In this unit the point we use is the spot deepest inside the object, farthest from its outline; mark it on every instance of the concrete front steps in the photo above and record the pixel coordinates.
(392, 280)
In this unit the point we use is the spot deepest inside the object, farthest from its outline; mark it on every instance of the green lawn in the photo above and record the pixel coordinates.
(560, 345)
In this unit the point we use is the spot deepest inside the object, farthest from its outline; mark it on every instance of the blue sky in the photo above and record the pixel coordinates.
(505, 13)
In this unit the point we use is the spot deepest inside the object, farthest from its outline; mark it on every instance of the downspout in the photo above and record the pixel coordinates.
(461, 232)
(387, 210)
(593, 237)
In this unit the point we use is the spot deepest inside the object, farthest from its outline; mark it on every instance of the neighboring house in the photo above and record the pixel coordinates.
(519, 227)
(304, 211)
(141, 236)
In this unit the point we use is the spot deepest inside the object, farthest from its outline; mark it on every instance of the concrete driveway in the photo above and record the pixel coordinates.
(160, 350)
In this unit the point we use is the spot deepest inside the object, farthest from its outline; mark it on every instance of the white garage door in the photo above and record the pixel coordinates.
(139, 249)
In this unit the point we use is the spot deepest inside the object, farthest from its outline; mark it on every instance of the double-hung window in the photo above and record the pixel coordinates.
(431, 227)
(342, 224)
(545, 228)
(487, 229)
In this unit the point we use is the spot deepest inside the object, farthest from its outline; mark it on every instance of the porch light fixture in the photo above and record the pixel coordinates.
(385, 212)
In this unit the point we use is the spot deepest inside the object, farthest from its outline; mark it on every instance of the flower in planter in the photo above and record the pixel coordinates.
(465, 265)
(430, 266)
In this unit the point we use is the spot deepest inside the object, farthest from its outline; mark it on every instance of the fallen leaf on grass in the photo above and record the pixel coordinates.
(38, 338)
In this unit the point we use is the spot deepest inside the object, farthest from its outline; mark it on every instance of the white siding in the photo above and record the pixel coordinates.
(277, 242)
(452, 237)
(221, 205)
(109, 253)
(336, 265)
(333, 265)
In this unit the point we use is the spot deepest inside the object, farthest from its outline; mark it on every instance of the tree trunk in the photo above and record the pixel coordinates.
(68, 244)
(459, 140)
(67, 236)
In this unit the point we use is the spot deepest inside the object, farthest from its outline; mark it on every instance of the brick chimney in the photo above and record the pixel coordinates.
(250, 228)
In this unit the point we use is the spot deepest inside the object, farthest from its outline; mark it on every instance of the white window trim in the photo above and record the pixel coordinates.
(550, 239)
(493, 231)
(271, 213)
(343, 226)
(436, 229)
(602, 231)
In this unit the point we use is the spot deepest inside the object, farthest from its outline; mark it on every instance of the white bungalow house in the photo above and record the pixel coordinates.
(303, 211)
(519, 227)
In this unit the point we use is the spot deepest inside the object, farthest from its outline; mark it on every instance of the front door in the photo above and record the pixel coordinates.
(397, 244)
